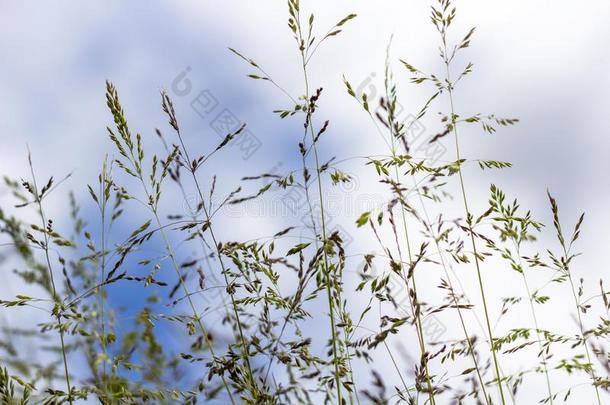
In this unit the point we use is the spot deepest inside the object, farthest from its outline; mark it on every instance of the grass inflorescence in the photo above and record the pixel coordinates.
(243, 316)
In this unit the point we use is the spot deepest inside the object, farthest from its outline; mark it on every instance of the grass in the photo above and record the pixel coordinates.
(244, 315)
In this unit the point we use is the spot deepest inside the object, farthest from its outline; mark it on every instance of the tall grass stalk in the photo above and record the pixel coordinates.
(307, 46)
(397, 133)
(583, 334)
(304, 44)
(267, 346)
(58, 306)
(169, 110)
(329, 280)
(565, 263)
(536, 325)
(117, 112)
(515, 228)
(474, 244)
(442, 21)
(415, 306)
(456, 303)
(454, 298)
(104, 193)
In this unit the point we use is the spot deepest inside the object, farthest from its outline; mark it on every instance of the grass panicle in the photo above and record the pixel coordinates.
(156, 299)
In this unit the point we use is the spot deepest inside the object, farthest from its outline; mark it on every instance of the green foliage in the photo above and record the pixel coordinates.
(244, 315)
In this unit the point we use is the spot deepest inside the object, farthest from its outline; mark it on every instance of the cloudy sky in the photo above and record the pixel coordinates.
(545, 63)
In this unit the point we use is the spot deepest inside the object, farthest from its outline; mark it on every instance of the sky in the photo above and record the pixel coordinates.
(545, 63)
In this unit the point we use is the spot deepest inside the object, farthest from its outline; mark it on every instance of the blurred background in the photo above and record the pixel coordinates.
(545, 63)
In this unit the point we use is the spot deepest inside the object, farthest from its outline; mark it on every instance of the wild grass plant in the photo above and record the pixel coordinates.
(274, 320)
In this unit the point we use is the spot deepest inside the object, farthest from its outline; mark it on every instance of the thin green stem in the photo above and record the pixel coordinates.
(327, 274)
(304, 61)
(185, 289)
(414, 305)
(415, 309)
(103, 273)
(196, 315)
(566, 268)
(582, 332)
(444, 264)
(152, 205)
(455, 302)
(223, 268)
(472, 239)
(328, 280)
(51, 277)
(535, 319)
(394, 363)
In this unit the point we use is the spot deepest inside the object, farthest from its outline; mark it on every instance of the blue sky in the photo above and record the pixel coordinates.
(544, 63)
